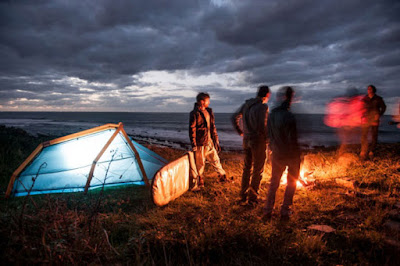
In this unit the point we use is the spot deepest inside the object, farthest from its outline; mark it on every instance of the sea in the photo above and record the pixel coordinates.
(171, 129)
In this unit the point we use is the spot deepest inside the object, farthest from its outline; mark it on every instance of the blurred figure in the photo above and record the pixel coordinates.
(345, 113)
(204, 138)
(282, 132)
(396, 119)
(374, 108)
(253, 113)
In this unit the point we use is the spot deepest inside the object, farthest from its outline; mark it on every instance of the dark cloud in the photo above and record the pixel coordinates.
(99, 53)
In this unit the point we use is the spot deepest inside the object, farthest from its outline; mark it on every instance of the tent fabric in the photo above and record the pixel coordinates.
(174, 179)
(65, 166)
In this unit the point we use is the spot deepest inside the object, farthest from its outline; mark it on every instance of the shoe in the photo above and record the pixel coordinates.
(285, 214)
(266, 218)
(252, 203)
(222, 178)
(285, 218)
(241, 201)
(200, 182)
(196, 189)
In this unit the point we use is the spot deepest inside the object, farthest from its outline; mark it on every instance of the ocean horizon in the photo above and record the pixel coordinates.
(171, 129)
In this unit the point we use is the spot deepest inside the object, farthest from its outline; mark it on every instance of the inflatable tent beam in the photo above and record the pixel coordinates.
(119, 129)
(146, 180)
(69, 137)
(22, 167)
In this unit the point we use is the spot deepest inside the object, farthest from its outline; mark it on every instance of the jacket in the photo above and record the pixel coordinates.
(198, 128)
(375, 107)
(254, 115)
(282, 131)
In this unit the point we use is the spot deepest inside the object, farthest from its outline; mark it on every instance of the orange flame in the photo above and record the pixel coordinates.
(302, 178)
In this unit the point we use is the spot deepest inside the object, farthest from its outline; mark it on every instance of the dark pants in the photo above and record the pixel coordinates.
(255, 155)
(364, 139)
(278, 167)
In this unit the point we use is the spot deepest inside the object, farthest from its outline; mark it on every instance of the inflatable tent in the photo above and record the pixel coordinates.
(101, 156)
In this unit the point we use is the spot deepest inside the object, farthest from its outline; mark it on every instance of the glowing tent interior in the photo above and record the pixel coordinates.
(104, 155)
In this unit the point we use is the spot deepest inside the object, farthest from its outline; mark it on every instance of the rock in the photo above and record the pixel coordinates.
(392, 243)
(322, 228)
(392, 226)
(394, 214)
(346, 182)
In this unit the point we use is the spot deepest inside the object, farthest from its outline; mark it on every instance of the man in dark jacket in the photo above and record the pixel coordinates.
(204, 138)
(282, 132)
(253, 113)
(374, 108)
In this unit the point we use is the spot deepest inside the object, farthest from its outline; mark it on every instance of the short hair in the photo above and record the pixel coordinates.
(373, 88)
(263, 90)
(285, 92)
(202, 96)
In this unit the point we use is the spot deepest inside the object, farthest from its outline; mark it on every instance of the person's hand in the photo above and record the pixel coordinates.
(217, 147)
(194, 148)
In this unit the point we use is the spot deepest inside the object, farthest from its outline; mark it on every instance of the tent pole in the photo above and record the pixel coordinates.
(146, 180)
(81, 134)
(20, 168)
(99, 156)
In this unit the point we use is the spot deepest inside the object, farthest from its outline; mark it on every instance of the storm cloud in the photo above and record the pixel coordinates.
(153, 55)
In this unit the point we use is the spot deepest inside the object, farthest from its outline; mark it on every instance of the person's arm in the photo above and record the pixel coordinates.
(192, 130)
(293, 134)
(382, 107)
(236, 120)
(265, 114)
(214, 133)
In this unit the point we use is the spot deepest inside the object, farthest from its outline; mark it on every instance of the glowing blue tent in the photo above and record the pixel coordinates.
(102, 156)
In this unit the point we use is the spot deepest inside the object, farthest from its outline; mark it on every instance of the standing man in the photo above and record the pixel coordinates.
(253, 113)
(374, 108)
(204, 138)
(282, 132)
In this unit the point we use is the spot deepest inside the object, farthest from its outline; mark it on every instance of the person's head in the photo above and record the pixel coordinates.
(203, 99)
(285, 94)
(263, 93)
(371, 90)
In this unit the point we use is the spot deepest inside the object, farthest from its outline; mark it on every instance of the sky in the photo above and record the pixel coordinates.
(157, 55)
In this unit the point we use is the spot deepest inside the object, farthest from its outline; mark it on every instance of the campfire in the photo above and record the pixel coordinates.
(305, 180)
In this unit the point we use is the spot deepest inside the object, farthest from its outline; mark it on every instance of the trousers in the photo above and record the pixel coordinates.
(279, 165)
(255, 155)
(365, 147)
(209, 153)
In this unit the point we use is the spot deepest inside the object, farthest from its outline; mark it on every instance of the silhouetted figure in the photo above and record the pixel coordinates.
(396, 119)
(253, 113)
(375, 108)
(282, 133)
(204, 138)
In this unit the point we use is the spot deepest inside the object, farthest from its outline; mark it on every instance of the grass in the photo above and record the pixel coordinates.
(122, 226)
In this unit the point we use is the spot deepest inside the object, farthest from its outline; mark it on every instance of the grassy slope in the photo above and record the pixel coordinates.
(123, 226)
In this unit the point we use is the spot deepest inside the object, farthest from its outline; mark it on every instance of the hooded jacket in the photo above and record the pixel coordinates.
(282, 131)
(198, 128)
(254, 115)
